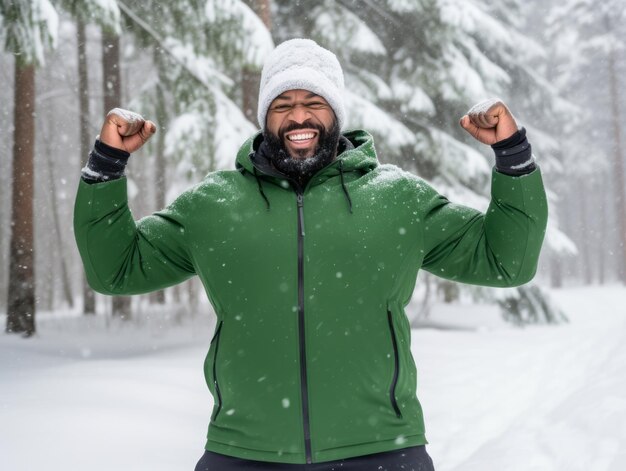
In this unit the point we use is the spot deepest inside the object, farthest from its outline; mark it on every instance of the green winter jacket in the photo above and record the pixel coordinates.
(310, 359)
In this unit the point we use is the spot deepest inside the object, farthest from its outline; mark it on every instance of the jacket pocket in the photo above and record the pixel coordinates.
(216, 339)
(396, 370)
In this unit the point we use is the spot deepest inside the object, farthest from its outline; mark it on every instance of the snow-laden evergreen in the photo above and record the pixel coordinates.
(105, 13)
(418, 67)
(28, 29)
(237, 27)
(412, 69)
(530, 94)
(199, 49)
(579, 70)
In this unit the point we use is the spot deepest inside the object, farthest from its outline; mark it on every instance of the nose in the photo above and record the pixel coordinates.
(299, 113)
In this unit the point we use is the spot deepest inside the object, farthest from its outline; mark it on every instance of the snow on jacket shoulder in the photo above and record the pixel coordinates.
(310, 360)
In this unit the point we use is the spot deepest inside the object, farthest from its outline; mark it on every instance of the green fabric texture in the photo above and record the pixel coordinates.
(359, 271)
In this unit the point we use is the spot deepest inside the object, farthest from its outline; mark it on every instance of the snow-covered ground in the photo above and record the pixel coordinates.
(97, 395)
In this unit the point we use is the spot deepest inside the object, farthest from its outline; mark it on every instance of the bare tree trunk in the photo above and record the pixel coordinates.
(89, 297)
(176, 294)
(192, 293)
(111, 70)
(585, 223)
(556, 271)
(566, 225)
(158, 297)
(112, 99)
(21, 296)
(602, 229)
(251, 78)
(618, 160)
(65, 279)
(449, 290)
(555, 262)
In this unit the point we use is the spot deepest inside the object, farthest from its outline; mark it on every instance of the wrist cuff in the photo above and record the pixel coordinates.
(514, 154)
(105, 163)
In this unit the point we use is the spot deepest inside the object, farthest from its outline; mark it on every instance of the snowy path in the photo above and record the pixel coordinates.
(540, 398)
(123, 399)
(497, 398)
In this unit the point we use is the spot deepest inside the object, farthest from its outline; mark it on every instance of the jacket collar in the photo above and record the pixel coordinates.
(356, 153)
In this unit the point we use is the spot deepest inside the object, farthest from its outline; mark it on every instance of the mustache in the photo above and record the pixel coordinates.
(295, 126)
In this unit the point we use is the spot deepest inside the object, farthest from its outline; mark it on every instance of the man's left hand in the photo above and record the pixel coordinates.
(489, 122)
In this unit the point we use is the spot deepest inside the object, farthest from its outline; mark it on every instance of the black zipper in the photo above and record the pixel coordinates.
(396, 370)
(217, 387)
(303, 377)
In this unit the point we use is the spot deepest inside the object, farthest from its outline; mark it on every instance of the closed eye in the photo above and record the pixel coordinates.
(282, 108)
(313, 105)
(316, 105)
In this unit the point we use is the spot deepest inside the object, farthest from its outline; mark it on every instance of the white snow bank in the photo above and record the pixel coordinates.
(540, 398)
(81, 396)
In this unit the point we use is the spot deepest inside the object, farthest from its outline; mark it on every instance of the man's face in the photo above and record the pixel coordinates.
(297, 118)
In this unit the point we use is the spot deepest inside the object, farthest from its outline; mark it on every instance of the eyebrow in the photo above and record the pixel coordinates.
(309, 95)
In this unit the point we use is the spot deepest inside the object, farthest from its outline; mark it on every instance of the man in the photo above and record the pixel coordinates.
(309, 252)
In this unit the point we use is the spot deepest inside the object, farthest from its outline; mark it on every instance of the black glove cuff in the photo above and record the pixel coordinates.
(514, 154)
(108, 151)
(105, 163)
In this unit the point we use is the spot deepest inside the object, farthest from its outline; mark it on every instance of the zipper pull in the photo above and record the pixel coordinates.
(300, 200)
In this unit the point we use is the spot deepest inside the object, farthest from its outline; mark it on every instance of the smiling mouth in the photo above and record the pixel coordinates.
(301, 137)
(302, 140)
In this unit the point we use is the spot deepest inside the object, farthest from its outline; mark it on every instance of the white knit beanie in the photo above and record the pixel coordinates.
(302, 64)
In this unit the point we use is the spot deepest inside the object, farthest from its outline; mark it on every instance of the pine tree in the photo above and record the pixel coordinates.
(499, 36)
(199, 49)
(28, 29)
(412, 68)
(251, 74)
(107, 16)
(201, 45)
(112, 92)
(596, 153)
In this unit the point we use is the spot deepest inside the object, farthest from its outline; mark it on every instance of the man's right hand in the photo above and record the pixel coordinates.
(126, 130)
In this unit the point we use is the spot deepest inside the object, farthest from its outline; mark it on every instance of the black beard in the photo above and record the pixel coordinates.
(302, 169)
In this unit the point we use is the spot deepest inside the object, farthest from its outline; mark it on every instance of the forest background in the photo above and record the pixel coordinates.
(412, 69)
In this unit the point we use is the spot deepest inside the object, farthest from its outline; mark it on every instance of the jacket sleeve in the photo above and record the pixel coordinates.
(499, 248)
(122, 256)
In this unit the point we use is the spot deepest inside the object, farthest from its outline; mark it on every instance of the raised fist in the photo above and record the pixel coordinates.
(126, 130)
(489, 121)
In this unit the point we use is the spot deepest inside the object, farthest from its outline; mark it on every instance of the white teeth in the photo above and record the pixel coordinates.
(301, 137)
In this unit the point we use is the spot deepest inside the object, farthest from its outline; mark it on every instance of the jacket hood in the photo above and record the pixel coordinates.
(361, 157)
